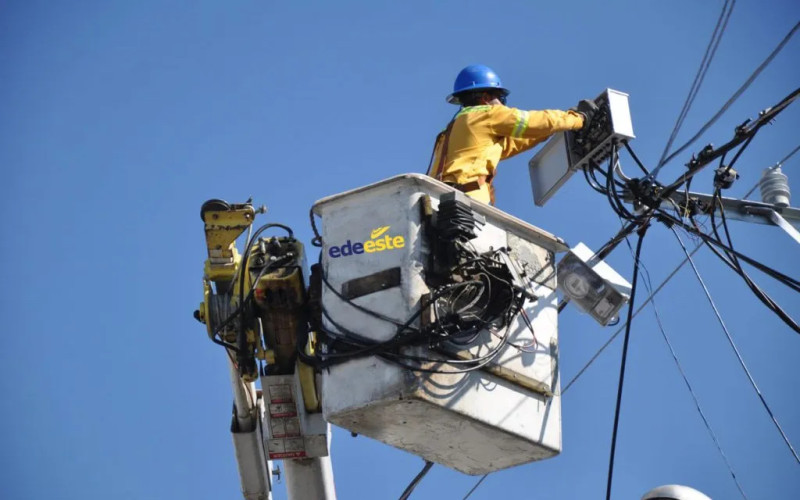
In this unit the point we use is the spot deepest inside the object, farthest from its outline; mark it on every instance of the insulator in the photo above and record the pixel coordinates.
(774, 187)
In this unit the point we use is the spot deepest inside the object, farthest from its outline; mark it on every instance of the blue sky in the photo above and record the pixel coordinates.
(118, 119)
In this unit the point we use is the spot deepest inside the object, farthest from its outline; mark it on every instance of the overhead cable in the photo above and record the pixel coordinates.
(786, 158)
(624, 360)
(414, 482)
(649, 286)
(625, 231)
(711, 49)
(475, 487)
(735, 349)
(657, 290)
(733, 261)
(730, 101)
(744, 133)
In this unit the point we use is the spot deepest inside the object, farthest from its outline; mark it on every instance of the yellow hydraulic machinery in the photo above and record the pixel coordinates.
(255, 306)
(254, 303)
(224, 224)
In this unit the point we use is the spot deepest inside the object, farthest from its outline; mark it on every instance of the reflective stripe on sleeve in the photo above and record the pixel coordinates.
(522, 123)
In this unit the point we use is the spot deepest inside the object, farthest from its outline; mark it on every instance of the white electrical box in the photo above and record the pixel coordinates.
(376, 255)
(567, 152)
(592, 285)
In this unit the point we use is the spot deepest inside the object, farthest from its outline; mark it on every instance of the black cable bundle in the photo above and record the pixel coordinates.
(483, 296)
(470, 292)
(455, 220)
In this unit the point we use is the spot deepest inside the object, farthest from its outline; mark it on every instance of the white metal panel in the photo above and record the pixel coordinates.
(603, 269)
(621, 122)
(549, 169)
(424, 183)
(475, 422)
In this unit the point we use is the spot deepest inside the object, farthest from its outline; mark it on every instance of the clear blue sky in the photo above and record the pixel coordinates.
(119, 118)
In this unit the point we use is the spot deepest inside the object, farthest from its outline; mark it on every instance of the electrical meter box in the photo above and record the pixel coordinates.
(567, 152)
(376, 262)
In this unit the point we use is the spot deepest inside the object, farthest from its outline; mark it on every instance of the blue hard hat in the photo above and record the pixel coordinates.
(475, 77)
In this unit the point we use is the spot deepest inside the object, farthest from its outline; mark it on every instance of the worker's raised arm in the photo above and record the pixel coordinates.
(518, 123)
(513, 146)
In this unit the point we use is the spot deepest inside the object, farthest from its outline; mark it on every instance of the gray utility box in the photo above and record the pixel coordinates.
(566, 152)
(504, 414)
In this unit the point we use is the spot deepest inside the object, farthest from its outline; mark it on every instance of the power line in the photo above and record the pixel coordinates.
(707, 424)
(638, 310)
(743, 134)
(730, 101)
(658, 289)
(414, 482)
(622, 327)
(475, 487)
(736, 350)
(786, 158)
(624, 360)
(716, 37)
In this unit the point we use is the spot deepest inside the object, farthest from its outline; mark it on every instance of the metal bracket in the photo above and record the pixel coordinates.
(776, 219)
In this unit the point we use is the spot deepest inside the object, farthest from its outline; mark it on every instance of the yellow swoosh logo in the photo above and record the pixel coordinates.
(378, 232)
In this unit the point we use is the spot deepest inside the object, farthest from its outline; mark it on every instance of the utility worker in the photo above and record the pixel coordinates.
(486, 131)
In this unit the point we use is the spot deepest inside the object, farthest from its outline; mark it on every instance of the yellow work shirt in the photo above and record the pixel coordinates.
(481, 136)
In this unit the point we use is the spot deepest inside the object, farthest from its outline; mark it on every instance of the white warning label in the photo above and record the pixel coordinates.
(280, 393)
(277, 410)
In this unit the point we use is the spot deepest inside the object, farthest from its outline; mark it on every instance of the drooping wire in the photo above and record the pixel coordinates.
(730, 101)
(786, 158)
(634, 281)
(624, 325)
(711, 49)
(657, 290)
(736, 350)
(699, 409)
(470, 492)
(414, 482)
(649, 286)
(788, 281)
(620, 236)
(621, 328)
(733, 262)
(731, 258)
(744, 135)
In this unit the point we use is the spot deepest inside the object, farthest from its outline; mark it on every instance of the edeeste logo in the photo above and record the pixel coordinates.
(378, 241)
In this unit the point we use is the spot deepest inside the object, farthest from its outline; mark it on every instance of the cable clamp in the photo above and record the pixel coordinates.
(646, 192)
(724, 177)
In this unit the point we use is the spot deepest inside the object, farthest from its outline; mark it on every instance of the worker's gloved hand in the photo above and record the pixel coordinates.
(588, 109)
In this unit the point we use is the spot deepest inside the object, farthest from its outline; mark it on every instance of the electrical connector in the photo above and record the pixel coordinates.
(724, 177)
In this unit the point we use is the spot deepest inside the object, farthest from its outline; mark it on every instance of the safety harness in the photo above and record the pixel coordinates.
(438, 172)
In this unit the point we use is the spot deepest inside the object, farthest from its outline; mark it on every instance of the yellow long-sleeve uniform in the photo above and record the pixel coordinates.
(481, 136)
